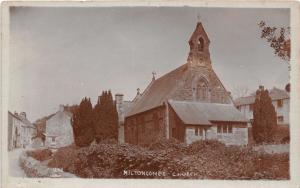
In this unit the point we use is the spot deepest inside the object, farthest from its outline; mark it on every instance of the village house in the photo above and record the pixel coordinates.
(189, 103)
(280, 100)
(20, 131)
(59, 131)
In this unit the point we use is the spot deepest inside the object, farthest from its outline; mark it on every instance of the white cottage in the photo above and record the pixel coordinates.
(280, 100)
(59, 131)
(20, 131)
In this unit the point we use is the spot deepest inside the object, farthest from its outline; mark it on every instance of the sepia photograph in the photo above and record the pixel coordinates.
(149, 92)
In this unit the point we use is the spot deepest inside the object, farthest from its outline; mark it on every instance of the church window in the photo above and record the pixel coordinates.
(200, 44)
(202, 90)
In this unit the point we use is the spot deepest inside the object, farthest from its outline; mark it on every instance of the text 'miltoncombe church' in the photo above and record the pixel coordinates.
(189, 103)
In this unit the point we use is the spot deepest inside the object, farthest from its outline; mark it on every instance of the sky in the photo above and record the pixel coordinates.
(60, 55)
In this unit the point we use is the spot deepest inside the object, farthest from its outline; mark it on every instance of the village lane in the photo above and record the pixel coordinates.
(14, 167)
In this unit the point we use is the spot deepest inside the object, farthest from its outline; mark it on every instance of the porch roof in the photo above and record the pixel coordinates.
(199, 113)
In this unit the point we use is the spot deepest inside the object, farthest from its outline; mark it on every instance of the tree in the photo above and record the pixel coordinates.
(83, 124)
(105, 117)
(279, 39)
(264, 117)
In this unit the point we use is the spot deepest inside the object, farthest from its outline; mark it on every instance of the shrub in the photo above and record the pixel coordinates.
(208, 159)
(40, 154)
(163, 143)
(65, 158)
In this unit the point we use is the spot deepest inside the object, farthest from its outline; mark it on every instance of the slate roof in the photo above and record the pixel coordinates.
(199, 113)
(274, 93)
(158, 92)
(26, 122)
(127, 106)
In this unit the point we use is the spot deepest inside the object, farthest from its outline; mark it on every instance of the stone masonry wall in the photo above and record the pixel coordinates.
(239, 135)
(186, 87)
(60, 126)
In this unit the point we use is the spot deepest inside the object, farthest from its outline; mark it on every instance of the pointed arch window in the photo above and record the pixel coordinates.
(202, 90)
(200, 44)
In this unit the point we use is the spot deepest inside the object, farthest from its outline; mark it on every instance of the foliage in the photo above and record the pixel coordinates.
(40, 154)
(279, 39)
(281, 135)
(64, 158)
(206, 159)
(98, 123)
(264, 117)
(82, 123)
(105, 118)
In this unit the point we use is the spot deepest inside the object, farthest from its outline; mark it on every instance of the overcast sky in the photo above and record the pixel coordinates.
(60, 55)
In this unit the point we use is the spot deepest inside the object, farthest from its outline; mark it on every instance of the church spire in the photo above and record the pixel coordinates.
(199, 48)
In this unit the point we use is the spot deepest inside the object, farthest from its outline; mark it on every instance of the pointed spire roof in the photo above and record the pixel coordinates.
(199, 31)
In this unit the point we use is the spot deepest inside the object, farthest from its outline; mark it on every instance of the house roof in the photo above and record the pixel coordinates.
(199, 113)
(159, 91)
(15, 116)
(274, 93)
(26, 122)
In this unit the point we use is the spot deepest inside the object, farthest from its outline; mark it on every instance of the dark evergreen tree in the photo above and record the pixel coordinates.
(105, 117)
(82, 123)
(264, 117)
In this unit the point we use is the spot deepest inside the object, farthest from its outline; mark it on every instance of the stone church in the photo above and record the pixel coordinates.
(189, 103)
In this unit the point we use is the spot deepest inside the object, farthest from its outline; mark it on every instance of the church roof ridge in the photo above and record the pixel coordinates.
(159, 91)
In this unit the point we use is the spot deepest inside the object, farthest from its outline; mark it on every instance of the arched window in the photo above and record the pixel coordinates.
(200, 44)
(202, 90)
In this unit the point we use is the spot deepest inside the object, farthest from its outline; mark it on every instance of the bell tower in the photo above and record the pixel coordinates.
(199, 48)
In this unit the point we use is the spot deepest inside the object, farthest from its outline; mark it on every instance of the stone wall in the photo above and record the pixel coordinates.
(187, 86)
(59, 126)
(239, 135)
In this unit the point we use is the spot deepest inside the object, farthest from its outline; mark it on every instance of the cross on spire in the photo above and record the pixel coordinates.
(153, 75)
(198, 17)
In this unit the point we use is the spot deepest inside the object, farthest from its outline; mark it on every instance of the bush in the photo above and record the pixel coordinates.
(207, 159)
(162, 144)
(40, 154)
(64, 158)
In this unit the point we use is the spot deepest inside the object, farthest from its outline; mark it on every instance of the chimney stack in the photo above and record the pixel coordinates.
(261, 87)
(23, 115)
(119, 104)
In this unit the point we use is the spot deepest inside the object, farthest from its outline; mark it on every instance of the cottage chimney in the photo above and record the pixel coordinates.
(119, 105)
(61, 108)
(23, 115)
(261, 87)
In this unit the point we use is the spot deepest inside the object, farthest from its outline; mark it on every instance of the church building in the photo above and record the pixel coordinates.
(189, 103)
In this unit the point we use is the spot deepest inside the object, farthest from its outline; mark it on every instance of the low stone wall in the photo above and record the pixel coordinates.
(272, 149)
(38, 169)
